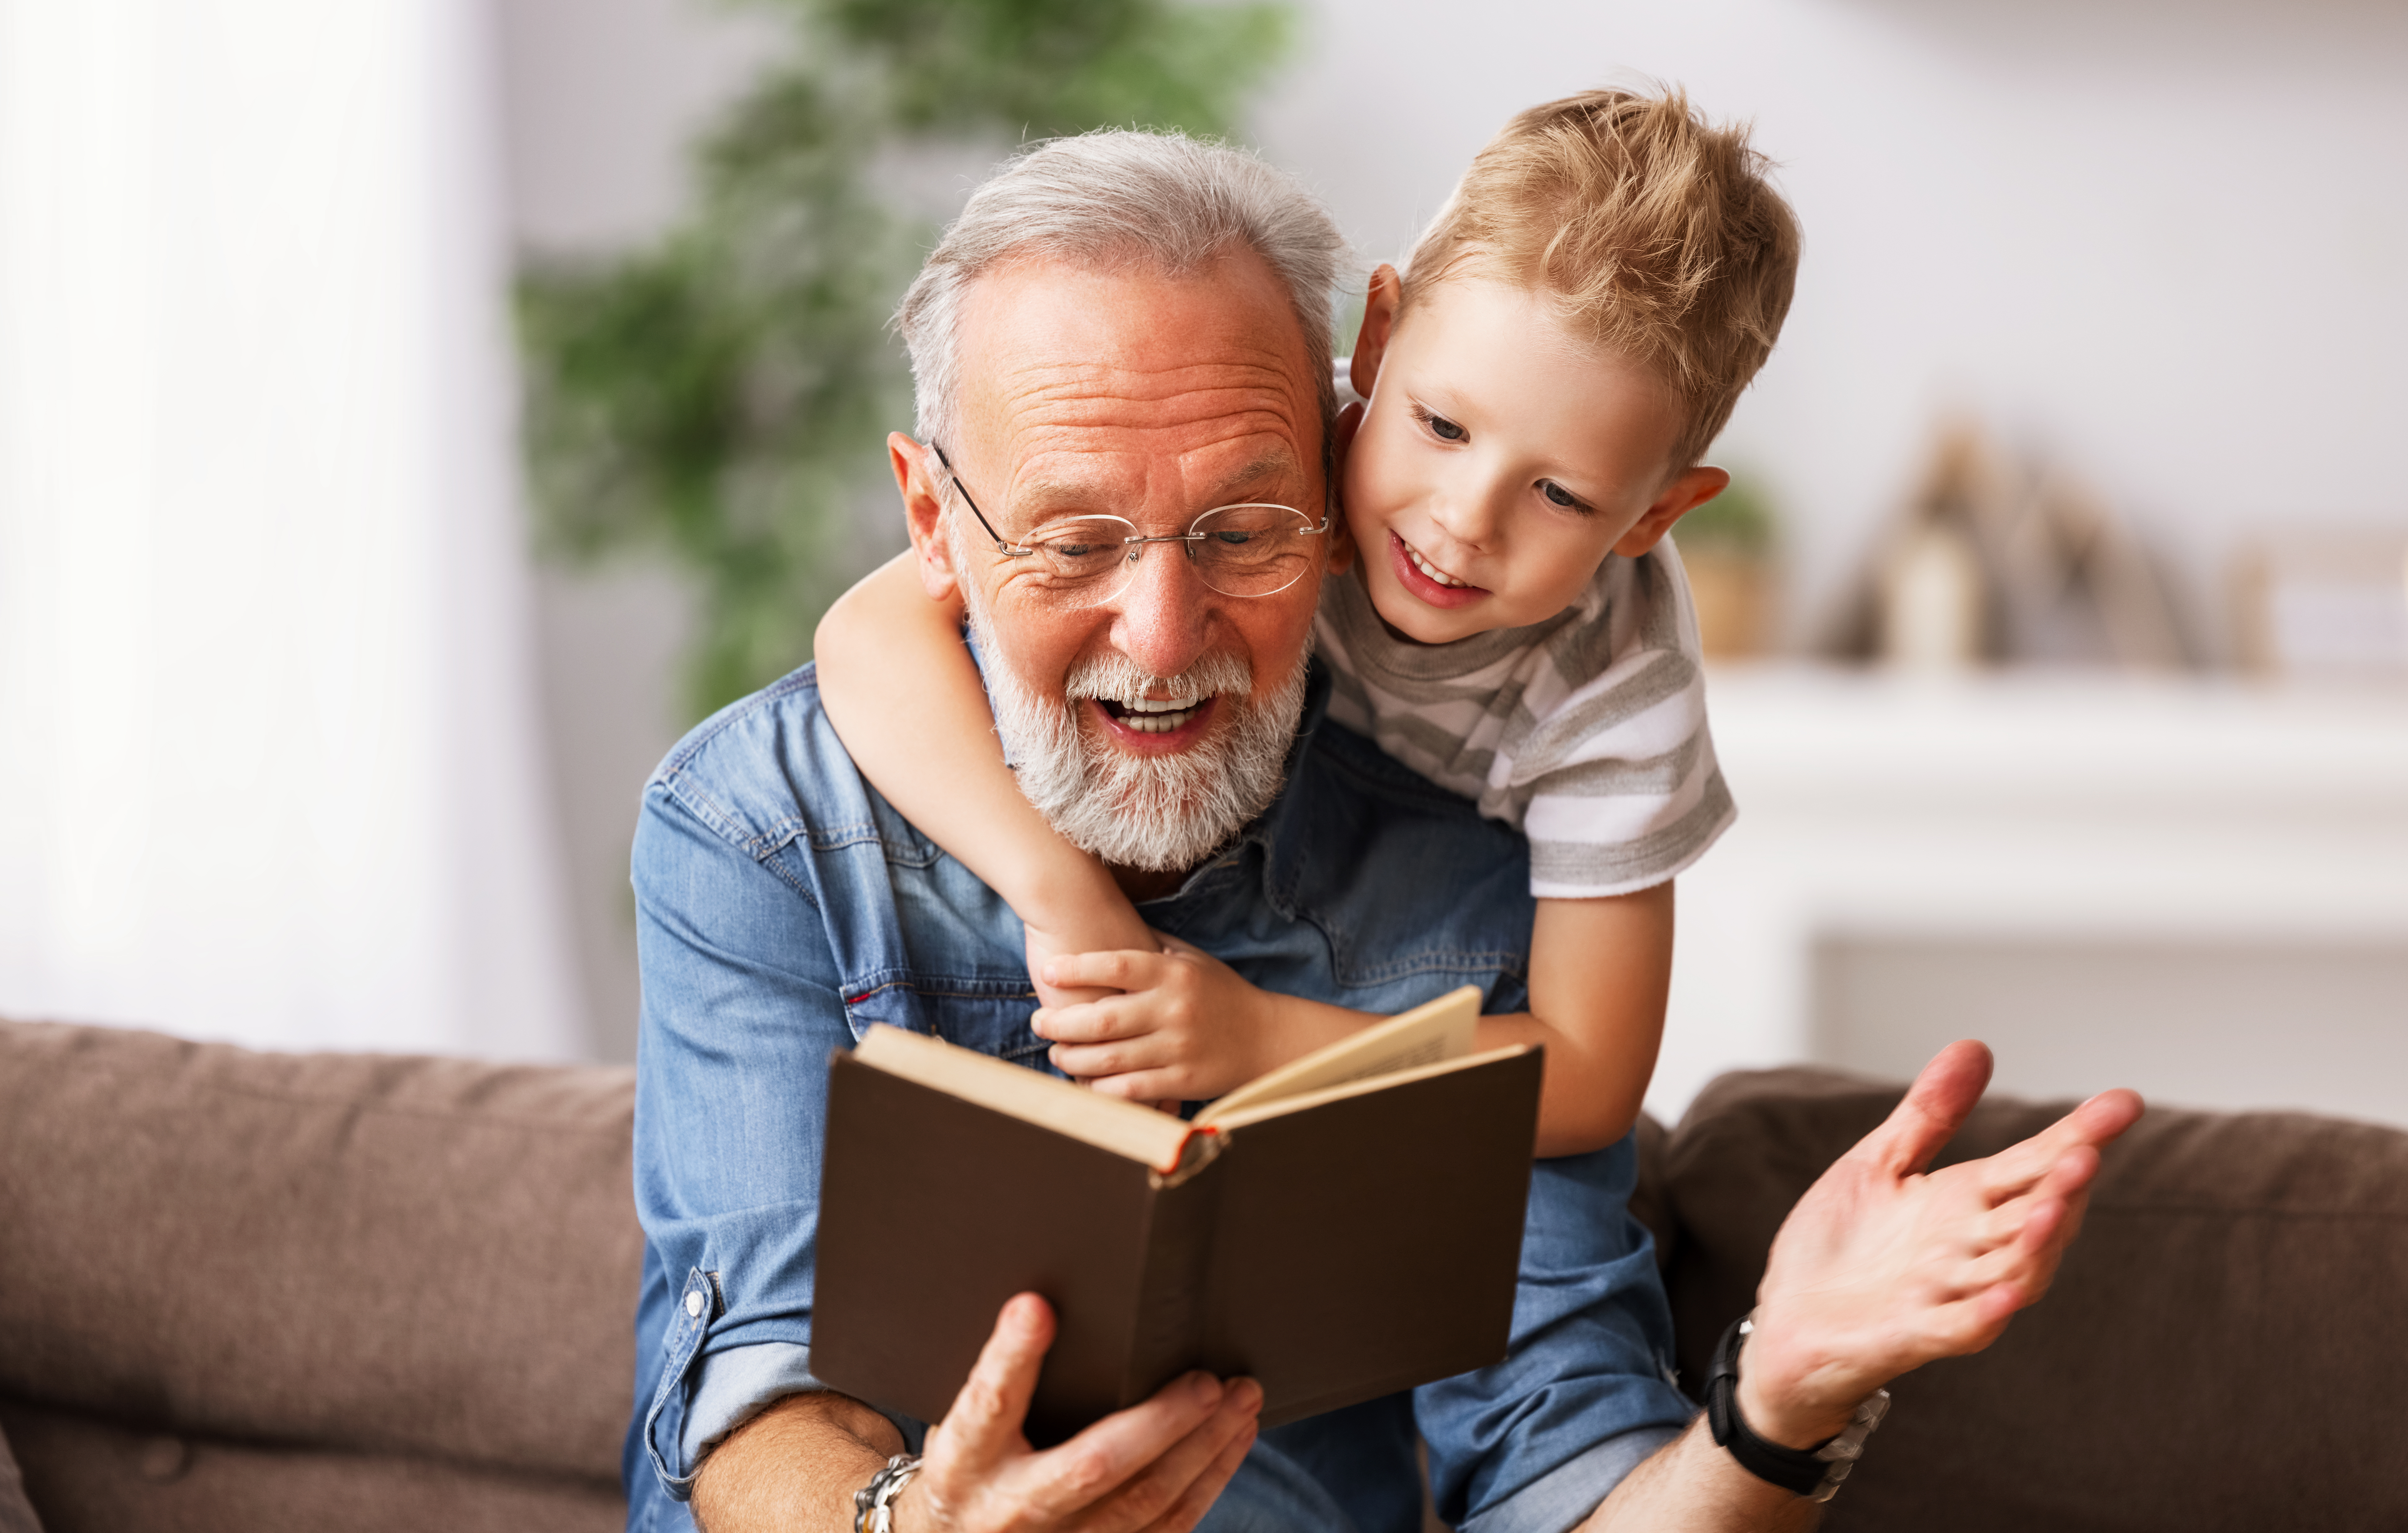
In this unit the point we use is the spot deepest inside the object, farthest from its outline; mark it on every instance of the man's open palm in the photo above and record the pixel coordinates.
(1884, 1267)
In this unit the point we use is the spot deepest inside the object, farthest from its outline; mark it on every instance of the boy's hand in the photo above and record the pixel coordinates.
(1185, 1027)
(1095, 932)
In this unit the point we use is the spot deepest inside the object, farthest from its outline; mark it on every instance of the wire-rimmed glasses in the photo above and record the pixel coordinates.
(1252, 549)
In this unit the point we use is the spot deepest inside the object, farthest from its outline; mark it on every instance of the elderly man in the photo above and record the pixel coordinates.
(1137, 325)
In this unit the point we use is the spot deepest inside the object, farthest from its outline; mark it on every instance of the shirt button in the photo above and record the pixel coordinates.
(694, 1304)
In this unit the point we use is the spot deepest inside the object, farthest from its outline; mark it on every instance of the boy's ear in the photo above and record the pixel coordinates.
(1342, 533)
(1689, 490)
(1379, 319)
(917, 476)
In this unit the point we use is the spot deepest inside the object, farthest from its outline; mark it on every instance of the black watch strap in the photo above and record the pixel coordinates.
(1814, 1471)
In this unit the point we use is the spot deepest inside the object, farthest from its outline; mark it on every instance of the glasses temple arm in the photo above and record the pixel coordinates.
(966, 496)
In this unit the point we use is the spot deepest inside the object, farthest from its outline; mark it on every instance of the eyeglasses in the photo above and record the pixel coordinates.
(1249, 549)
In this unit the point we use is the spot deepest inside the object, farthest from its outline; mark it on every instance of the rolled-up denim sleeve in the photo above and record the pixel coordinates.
(742, 1007)
(1533, 1445)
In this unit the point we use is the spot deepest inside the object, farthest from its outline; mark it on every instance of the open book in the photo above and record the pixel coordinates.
(1344, 1226)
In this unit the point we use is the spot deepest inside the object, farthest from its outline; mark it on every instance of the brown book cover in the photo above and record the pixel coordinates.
(1343, 1232)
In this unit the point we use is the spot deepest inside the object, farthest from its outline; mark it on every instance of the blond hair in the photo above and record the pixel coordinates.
(1653, 234)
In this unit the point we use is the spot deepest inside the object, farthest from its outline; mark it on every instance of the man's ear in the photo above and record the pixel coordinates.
(1379, 320)
(1690, 489)
(917, 475)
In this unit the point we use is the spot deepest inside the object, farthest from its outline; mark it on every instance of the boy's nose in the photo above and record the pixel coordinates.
(1471, 519)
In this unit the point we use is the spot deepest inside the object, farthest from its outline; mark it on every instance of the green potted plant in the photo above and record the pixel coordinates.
(722, 396)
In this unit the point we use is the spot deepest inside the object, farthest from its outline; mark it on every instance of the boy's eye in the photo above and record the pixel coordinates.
(1444, 429)
(1557, 496)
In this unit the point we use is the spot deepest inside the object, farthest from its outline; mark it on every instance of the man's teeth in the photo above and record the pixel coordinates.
(1148, 717)
(1431, 570)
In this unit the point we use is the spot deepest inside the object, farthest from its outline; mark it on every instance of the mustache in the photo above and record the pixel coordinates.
(1110, 676)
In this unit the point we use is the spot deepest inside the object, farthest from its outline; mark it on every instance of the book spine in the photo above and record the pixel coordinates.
(1170, 1313)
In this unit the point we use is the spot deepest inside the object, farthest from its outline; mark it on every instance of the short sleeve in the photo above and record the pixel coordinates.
(1614, 773)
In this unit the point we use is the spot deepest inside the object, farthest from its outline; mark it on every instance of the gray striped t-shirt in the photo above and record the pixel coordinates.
(1586, 732)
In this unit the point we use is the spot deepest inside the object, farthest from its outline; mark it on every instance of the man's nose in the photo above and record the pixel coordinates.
(1165, 611)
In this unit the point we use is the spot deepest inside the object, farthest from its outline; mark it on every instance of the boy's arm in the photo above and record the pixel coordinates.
(1188, 1028)
(1601, 971)
(935, 756)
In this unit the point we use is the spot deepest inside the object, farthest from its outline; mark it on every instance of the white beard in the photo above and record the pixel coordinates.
(1158, 813)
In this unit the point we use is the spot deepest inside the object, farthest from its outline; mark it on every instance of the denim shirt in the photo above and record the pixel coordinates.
(784, 906)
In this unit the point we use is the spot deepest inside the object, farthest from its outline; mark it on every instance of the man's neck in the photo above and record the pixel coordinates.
(1141, 887)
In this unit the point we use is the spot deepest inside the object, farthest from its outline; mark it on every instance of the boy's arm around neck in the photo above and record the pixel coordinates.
(905, 697)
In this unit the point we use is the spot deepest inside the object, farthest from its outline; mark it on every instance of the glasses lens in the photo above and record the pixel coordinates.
(1082, 560)
(1252, 551)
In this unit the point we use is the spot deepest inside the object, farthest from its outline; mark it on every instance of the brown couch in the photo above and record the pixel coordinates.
(263, 1292)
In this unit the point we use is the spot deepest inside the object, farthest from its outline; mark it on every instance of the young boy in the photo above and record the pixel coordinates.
(1569, 337)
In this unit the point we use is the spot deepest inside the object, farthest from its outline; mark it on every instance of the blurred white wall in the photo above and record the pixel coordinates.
(599, 98)
(2163, 242)
(270, 768)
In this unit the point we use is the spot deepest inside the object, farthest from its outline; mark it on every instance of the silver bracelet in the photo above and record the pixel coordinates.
(873, 1504)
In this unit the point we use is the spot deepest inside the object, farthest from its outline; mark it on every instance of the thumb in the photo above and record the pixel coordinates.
(983, 1427)
(1933, 1109)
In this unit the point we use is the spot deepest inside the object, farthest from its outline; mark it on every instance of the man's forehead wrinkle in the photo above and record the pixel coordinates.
(1071, 474)
(1197, 389)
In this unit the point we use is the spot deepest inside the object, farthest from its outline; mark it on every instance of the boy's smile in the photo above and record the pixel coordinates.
(1500, 460)
(1424, 579)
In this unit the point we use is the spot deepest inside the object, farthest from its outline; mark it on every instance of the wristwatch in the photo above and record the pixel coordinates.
(1815, 1473)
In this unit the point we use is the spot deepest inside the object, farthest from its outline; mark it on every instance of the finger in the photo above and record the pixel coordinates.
(1206, 1488)
(1121, 968)
(1969, 1324)
(1066, 1481)
(2104, 1117)
(1992, 1288)
(2073, 1139)
(1153, 1088)
(2011, 1221)
(982, 1426)
(1153, 1492)
(1933, 1109)
(1091, 1062)
(1057, 997)
(1097, 1022)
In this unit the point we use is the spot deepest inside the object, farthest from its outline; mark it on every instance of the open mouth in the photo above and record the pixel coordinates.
(1428, 570)
(1148, 717)
(1427, 580)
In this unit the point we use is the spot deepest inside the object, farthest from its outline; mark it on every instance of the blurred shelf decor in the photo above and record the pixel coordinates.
(1992, 560)
(2189, 883)
(724, 394)
(1728, 548)
(2322, 602)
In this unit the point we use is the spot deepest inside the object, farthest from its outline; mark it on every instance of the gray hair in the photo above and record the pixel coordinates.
(1159, 199)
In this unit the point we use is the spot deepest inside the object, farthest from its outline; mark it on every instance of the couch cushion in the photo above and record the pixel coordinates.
(92, 1477)
(2221, 1349)
(16, 1513)
(420, 1257)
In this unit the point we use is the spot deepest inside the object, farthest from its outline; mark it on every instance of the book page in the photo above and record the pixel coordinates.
(1107, 1122)
(1251, 1112)
(1428, 1035)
